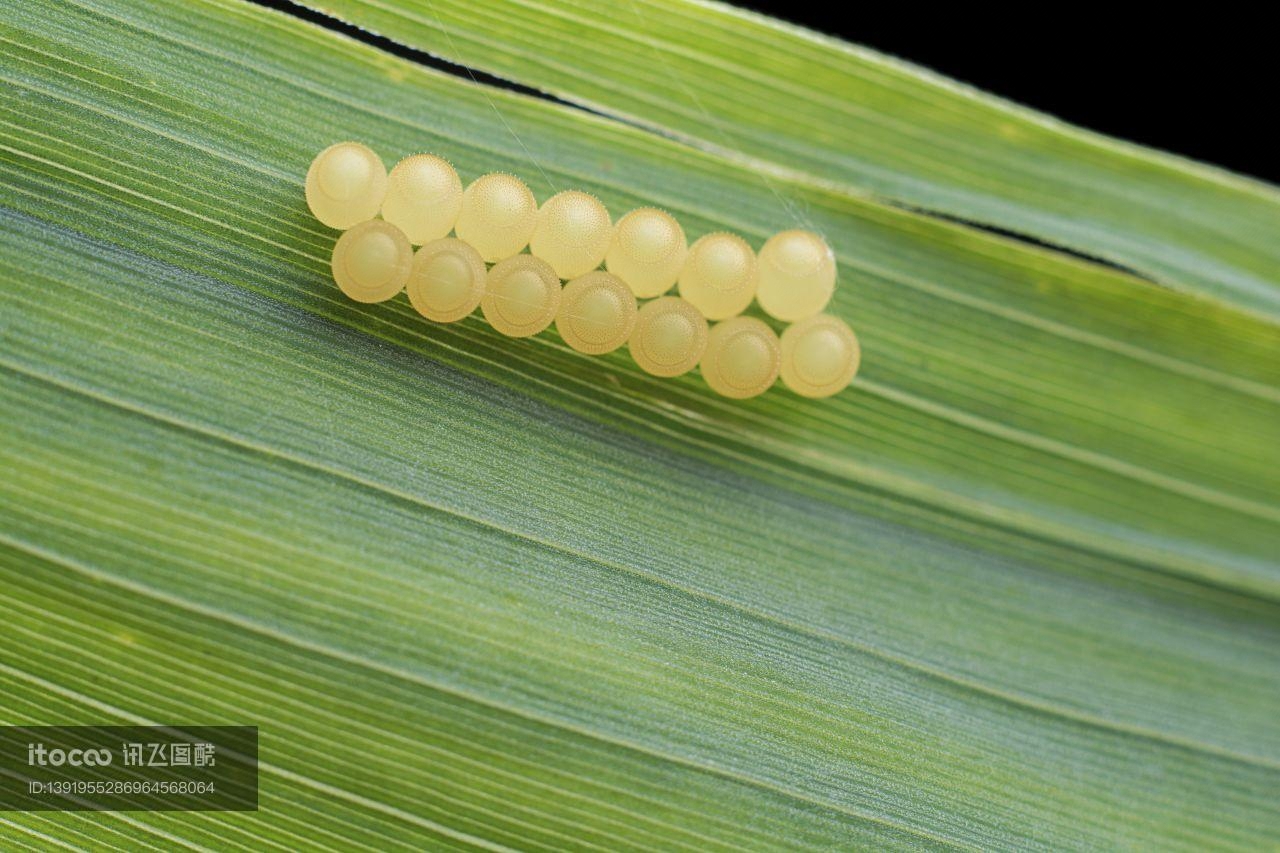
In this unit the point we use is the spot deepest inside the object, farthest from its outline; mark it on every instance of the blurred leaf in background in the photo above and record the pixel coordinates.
(1016, 588)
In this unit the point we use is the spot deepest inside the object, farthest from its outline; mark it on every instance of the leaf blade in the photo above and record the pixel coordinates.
(213, 346)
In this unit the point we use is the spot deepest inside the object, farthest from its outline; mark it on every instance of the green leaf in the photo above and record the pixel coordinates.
(790, 102)
(1017, 588)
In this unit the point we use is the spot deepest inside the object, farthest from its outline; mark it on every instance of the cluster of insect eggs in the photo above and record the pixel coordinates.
(569, 236)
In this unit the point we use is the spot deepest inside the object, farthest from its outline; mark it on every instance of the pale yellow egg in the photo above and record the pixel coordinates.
(719, 275)
(497, 216)
(743, 358)
(797, 272)
(597, 313)
(371, 261)
(424, 196)
(346, 185)
(572, 233)
(647, 251)
(669, 337)
(820, 356)
(521, 297)
(447, 280)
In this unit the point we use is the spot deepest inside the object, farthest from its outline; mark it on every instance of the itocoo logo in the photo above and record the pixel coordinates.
(38, 754)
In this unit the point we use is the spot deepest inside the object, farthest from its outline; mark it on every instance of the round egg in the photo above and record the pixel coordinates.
(647, 251)
(346, 185)
(719, 275)
(797, 275)
(447, 280)
(743, 358)
(497, 216)
(424, 196)
(371, 261)
(669, 337)
(597, 313)
(521, 297)
(572, 233)
(820, 356)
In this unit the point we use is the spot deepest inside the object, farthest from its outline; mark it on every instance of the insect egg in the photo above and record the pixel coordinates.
(371, 261)
(497, 216)
(572, 233)
(820, 356)
(597, 313)
(345, 185)
(669, 338)
(447, 280)
(719, 275)
(521, 296)
(797, 275)
(742, 358)
(647, 251)
(424, 196)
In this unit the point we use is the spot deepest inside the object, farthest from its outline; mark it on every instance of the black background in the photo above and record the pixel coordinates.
(1202, 83)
